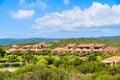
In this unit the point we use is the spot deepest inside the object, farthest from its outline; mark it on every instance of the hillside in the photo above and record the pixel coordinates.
(63, 43)
(8, 41)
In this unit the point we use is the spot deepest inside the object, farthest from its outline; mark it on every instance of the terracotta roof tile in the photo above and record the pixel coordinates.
(113, 59)
(99, 45)
(28, 46)
(111, 49)
(85, 45)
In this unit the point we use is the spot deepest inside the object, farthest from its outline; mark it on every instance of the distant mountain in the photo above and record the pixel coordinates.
(110, 37)
(7, 41)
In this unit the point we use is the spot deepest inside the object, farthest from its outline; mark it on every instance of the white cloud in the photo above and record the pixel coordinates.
(23, 14)
(96, 16)
(22, 1)
(36, 3)
(66, 2)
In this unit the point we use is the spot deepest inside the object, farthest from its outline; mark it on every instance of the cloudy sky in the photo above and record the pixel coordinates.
(59, 18)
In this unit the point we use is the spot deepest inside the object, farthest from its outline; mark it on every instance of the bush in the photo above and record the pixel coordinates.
(91, 67)
(77, 62)
(57, 63)
(3, 65)
(50, 60)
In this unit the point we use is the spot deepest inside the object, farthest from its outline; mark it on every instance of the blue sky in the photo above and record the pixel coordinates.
(59, 18)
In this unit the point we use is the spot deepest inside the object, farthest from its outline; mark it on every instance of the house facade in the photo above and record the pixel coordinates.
(60, 50)
(85, 48)
(112, 60)
(112, 49)
(99, 47)
(35, 48)
(90, 48)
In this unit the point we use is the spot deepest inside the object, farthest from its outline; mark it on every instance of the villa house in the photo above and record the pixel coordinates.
(76, 50)
(38, 47)
(71, 47)
(27, 47)
(112, 60)
(11, 50)
(112, 49)
(21, 50)
(98, 47)
(60, 50)
(15, 47)
(35, 48)
(85, 48)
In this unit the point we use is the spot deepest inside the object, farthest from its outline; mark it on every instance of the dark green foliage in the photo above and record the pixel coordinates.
(2, 52)
(91, 67)
(28, 56)
(57, 63)
(77, 62)
(50, 60)
(103, 76)
(3, 65)
(92, 58)
(6, 75)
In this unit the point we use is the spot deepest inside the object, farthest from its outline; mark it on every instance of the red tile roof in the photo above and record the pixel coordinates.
(112, 59)
(99, 45)
(72, 45)
(110, 49)
(85, 45)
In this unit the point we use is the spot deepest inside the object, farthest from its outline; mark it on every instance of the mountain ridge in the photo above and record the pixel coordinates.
(7, 41)
(110, 37)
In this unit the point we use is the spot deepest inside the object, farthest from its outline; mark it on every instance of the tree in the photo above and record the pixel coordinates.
(12, 58)
(50, 60)
(105, 77)
(28, 56)
(77, 62)
(92, 57)
(2, 52)
(57, 63)
(5, 75)
(42, 62)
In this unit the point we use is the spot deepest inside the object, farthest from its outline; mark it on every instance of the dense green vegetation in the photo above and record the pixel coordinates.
(57, 66)
(60, 66)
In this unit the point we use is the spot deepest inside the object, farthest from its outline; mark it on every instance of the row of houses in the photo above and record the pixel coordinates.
(87, 48)
(34, 48)
(81, 48)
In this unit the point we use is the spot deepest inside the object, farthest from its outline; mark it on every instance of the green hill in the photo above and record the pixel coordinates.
(63, 43)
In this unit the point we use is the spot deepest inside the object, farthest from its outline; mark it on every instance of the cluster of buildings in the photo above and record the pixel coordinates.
(34, 48)
(90, 48)
(74, 48)
(86, 48)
